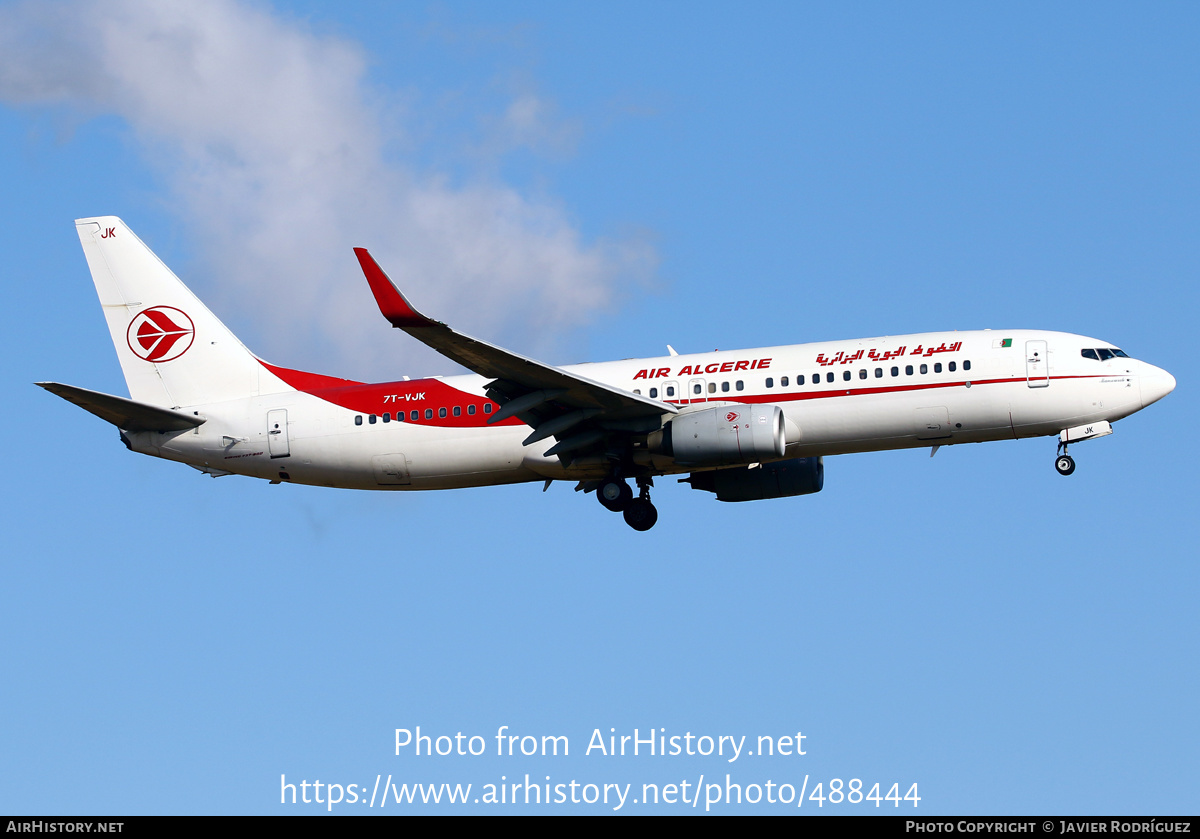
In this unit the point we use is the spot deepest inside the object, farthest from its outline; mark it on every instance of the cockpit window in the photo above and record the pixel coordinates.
(1103, 353)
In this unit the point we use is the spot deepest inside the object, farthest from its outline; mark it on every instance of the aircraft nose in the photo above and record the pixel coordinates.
(1155, 384)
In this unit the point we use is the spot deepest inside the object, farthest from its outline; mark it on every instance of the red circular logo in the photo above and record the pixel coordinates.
(160, 333)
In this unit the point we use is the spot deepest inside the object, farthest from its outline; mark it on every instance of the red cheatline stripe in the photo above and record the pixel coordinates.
(363, 397)
(798, 396)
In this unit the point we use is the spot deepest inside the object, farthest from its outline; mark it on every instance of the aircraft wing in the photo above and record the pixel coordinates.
(576, 410)
(124, 413)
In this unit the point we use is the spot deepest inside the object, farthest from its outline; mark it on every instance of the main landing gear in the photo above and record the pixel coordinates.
(614, 494)
(1063, 462)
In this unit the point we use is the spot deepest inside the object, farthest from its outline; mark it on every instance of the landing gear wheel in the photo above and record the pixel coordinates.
(614, 495)
(641, 515)
(1065, 464)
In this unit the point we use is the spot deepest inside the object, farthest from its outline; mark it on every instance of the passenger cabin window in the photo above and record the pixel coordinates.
(740, 385)
(371, 419)
(862, 374)
(457, 411)
(846, 376)
(895, 371)
(712, 387)
(770, 382)
(783, 380)
(966, 365)
(924, 369)
(724, 387)
(829, 376)
(670, 390)
(358, 420)
(471, 410)
(653, 393)
(879, 372)
(487, 407)
(387, 416)
(937, 368)
(697, 390)
(442, 413)
(414, 416)
(953, 366)
(908, 369)
(429, 413)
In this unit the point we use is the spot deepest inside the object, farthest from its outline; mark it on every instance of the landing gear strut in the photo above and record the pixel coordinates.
(1064, 463)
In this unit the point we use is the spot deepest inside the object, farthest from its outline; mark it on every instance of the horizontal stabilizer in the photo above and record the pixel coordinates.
(124, 413)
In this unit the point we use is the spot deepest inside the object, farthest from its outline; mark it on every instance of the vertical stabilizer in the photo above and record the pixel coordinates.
(173, 350)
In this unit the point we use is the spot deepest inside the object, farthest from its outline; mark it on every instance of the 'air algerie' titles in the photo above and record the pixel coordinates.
(702, 369)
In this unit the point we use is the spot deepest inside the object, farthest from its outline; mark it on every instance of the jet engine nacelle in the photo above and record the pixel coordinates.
(802, 476)
(723, 435)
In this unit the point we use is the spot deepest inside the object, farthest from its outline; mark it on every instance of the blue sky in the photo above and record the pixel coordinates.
(583, 183)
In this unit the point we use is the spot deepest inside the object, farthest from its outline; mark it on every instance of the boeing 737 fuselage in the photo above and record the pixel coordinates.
(745, 425)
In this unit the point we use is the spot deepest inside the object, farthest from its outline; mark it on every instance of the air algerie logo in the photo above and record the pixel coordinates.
(160, 333)
(732, 416)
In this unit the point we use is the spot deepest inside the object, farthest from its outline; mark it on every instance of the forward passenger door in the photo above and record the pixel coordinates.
(1037, 366)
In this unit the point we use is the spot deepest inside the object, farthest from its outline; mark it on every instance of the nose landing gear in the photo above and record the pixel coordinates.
(614, 494)
(1064, 463)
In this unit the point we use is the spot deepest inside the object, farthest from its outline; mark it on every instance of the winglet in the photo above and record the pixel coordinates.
(391, 302)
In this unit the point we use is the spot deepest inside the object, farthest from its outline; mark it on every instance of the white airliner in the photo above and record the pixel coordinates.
(745, 424)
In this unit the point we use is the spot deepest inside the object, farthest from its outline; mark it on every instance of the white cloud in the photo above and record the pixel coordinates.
(531, 121)
(274, 150)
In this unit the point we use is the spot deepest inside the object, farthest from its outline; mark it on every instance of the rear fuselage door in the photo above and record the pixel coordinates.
(1037, 367)
(277, 433)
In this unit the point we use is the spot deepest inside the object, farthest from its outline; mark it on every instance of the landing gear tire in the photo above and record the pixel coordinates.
(614, 495)
(1065, 464)
(640, 514)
